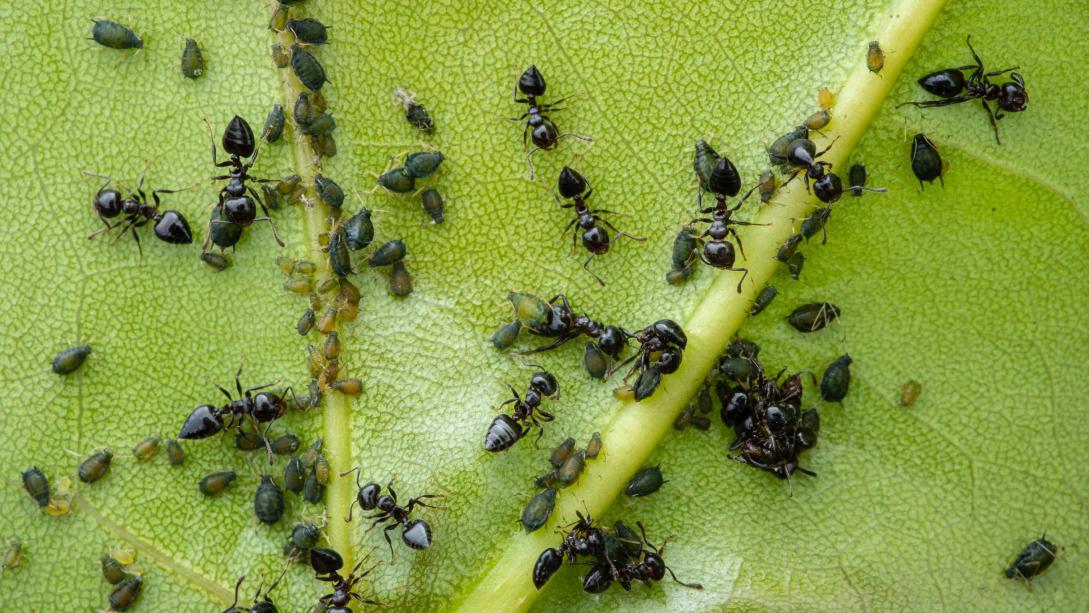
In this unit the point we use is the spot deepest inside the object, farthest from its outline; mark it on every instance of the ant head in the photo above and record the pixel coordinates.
(531, 83)
(544, 382)
(571, 183)
(596, 240)
(368, 495)
(724, 179)
(1012, 96)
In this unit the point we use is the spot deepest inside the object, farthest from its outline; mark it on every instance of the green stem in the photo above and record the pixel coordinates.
(336, 418)
(638, 428)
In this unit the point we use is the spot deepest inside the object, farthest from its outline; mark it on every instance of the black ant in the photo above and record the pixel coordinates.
(661, 349)
(235, 204)
(326, 564)
(558, 320)
(170, 225)
(595, 239)
(265, 407)
(724, 181)
(544, 133)
(265, 605)
(826, 185)
(646, 566)
(506, 430)
(952, 85)
(416, 533)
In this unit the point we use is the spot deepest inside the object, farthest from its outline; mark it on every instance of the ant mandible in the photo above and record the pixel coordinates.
(952, 85)
(235, 204)
(724, 181)
(170, 225)
(595, 239)
(416, 533)
(538, 125)
(506, 430)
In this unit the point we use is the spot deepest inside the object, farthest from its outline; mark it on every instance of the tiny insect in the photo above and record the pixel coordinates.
(307, 68)
(795, 264)
(538, 510)
(505, 336)
(326, 563)
(192, 60)
(95, 466)
(909, 392)
(953, 87)
(214, 483)
(308, 31)
(433, 205)
(645, 482)
(13, 556)
(576, 188)
(286, 444)
(268, 501)
(875, 57)
(926, 162)
(216, 261)
(562, 452)
(836, 379)
(766, 185)
(825, 98)
(37, 485)
(763, 300)
(813, 316)
(423, 164)
(416, 533)
(135, 211)
(114, 35)
(279, 55)
(1034, 559)
(572, 468)
(539, 127)
(703, 164)
(274, 124)
(400, 280)
(724, 181)
(69, 360)
(125, 594)
(359, 231)
(145, 449)
(388, 253)
(304, 537)
(174, 452)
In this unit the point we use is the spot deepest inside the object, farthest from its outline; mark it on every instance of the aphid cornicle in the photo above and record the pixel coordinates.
(538, 510)
(114, 35)
(926, 162)
(95, 466)
(307, 68)
(836, 379)
(36, 485)
(192, 61)
(69, 360)
(813, 316)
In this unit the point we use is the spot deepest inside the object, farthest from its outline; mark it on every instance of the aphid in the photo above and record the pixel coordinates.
(763, 299)
(953, 87)
(124, 595)
(312, 490)
(279, 55)
(817, 120)
(114, 35)
(388, 253)
(214, 483)
(539, 127)
(235, 204)
(397, 180)
(703, 163)
(37, 485)
(330, 192)
(304, 537)
(813, 316)
(359, 231)
(766, 185)
(825, 98)
(325, 146)
(248, 441)
(539, 509)
(13, 556)
(192, 62)
(288, 184)
(648, 381)
(561, 323)
(661, 349)
(505, 430)
(875, 57)
(69, 360)
(298, 285)
(146, 448)
(816, 223)
(740, 369)
(307, 68)
(286, 444)
(433, 205)
(340, 258)
(593, 448)
(423, 164)
(216, 261)
(320, 126)
(624, 393)
(328, 321)
(170, 226)
(113, 571)
(303, 112)
(718, 251)
(278, 21)
(416, 533)
(326, 563)
(268, 501)
(549, 479)
(321, 469)
(788, 248)
(505, 336)
(795, 264)
(595, 361)
(293, 475)
(261, 604)
(857, 178)
(678, 276)
(415, 113)
(349, 387)
(562, 452)
(174, 452)
(400, 280)
(222, 233)
(1034, 559)
(742, 348)
(645, 482)
(684, 248)
(573, 186)
(95, 466)
(926, 162)
(331, 349)
(308, 31)
(274, 124)
(306, 322)
(572, 468)
(836, 379)
(909, 392)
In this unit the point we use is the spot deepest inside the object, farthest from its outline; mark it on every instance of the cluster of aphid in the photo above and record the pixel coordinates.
(619, 556)
(567, 466)
(118, 570)
(401, 179)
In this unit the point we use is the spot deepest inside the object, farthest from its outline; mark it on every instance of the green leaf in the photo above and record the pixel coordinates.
(976, 290)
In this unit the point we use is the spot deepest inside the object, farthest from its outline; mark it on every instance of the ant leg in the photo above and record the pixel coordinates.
(238, 375)
(975, 55)
(385, 533)
(356, 471)
(746, 271)
(212, 138)
(740, 247)
(554, 344)
(995, 73)
(272, 225)
(618, 232)
(925, 104)
(586, 267)
(257, 389)
(990, 115)
(519, 118)
(351, 507)
(787, 182)
(236, 586)
(585, 139)
(825, 150)
(529, 156)
(551, 106)
(225, 393)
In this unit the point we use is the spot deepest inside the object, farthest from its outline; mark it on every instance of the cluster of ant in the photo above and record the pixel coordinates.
(661, 344)
(618, 556)
(567, 465)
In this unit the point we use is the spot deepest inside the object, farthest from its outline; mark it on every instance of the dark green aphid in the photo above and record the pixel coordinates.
(423, 164)
(330, 192)
(1034, 559)
(321, 125)
(359, 230)
(415, 112)
(926, 162)
(223, 233)
(216, 261)
(550, 479)
(562, 452)
(539, 509)
(114, 35)
(795, 264)
(742, 348)
(572, 468)
(388, 253)
(530, 310)
(279, 55)
(307, 68)
(836, 379)
(703, 162)
(303, 111)
(739, 369)
(593, 448)
(645, 482)
(647, 382)
(763, 299)
(146, 448)
(174, 452)
(248, 441)
(816, 223)
(857, 178)
(274, 124)
(400, 280)
(126, 592)
(37, 485)
(340, 258)
(268, 501)
(309, 31)
(95, 466)
(286, 444)
(813, 316)
(766, 185)
(678, 276)
(214, 483)
(595, 361)
(325, 145)
(787, 249)
(777, 152)
(312, 490)
(293, 475)
(684, 248)
(112, 570)
(311, 455)
(69, 360)
(303, 538)
(13, 556)
(397, 181)
(505, 336)
(192, 62)
(433, 205)
(279, 19)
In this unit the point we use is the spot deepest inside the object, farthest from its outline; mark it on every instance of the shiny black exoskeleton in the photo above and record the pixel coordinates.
(557, 319)
(724, 182)
(327, 564)
(595, 239)
(539, 126)
(1034, 559)
(951, 85)
(260, 604)
(238, 201)
(135, 211)
(506, 430)
(416, 533)
(646, 565)
(661, 348)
